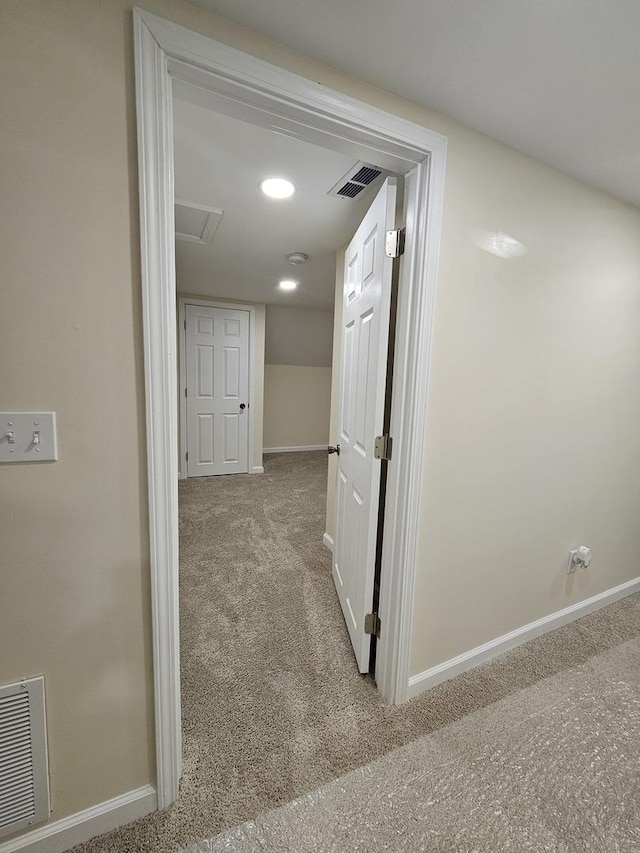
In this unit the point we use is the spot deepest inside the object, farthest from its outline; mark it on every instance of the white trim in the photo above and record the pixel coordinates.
(183, 301)
(467, 660)
(168, 55)
(296, 449)
(424, 201)
(257, 469)
(327, 541)
(155, 176)
(60, 835)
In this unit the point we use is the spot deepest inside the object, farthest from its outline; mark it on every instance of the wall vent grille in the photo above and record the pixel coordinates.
(24, 776)
(361, 177)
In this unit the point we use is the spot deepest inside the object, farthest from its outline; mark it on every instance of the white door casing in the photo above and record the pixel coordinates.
(217, 361)
(366, 305)
(168, 55)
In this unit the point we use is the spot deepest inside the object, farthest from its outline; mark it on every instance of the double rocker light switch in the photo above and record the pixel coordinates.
(28, 437)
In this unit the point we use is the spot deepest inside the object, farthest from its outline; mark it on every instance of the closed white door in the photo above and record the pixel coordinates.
(217, 356)
(365, 335)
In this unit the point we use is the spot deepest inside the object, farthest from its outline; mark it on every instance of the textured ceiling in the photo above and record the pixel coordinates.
(557, 79)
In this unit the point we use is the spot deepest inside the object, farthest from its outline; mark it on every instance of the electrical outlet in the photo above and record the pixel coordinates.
(579, 558)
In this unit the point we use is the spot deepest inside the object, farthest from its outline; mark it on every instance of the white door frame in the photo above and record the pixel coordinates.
(183, 301)
(167, 55)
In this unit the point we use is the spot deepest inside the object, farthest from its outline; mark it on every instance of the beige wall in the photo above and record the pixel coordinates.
(297, 377)
(296, 405)
(257, 365)
(298, 336)
(74, 586)
(531, 445)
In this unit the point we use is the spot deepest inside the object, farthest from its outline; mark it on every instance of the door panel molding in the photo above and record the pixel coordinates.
(167, 58)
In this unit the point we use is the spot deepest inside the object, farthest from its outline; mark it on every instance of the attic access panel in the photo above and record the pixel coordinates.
(196, 223)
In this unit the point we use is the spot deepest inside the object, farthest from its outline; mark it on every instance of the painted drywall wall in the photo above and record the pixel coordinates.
(298, 336)
(297, 402)
(74, 579)
(297, 377)
(257, 353)
(531, 442)
(530, 446)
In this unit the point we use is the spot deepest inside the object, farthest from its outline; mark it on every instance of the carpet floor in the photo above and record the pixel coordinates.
(551, 768)
(273, 705)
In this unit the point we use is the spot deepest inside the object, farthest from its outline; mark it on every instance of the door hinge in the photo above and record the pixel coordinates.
(186, 456)
(372, 624)
(394, 244)
(185, 325)
(382, 447)
(185, 390)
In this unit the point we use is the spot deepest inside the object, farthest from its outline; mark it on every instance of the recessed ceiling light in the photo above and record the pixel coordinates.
(277, 187)
(288, 284)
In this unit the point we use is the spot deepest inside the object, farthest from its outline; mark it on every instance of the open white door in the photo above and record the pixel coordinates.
(365, 335)
(217, 356)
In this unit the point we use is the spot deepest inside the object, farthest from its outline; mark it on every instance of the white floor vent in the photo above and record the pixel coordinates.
(24, 773)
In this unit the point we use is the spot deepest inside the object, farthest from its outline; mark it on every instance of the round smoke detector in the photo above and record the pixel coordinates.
(297, 258)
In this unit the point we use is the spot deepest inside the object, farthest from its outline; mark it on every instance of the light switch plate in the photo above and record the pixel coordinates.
(28, 437)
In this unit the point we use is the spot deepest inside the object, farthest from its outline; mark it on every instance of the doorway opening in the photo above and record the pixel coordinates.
(169, 57)
(260, 621)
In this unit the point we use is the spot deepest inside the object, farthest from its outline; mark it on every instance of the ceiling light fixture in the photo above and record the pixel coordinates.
(277, 187)
(297, 258)
(288, 284)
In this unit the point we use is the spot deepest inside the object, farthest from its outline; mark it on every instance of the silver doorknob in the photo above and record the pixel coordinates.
(335, 449)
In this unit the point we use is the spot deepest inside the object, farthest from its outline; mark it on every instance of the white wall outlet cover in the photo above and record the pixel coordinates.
(573, 563)
(28, 437)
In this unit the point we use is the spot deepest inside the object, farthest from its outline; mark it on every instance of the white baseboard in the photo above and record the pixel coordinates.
(467, 660)
(294, 449)
(59, 835)
(257, 469)
(328, 541)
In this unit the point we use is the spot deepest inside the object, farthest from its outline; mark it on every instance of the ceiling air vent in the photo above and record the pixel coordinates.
(359, 178)
(24, 775)
(351, 189)
(196, 223)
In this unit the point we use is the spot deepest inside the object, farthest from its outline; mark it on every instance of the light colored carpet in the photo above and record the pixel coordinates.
(553, 768)
(273, 706)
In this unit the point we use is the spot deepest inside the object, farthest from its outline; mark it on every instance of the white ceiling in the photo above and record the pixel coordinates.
(557, 79)
(219, 162)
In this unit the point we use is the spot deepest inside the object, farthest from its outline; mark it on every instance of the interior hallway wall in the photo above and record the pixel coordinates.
(297, 401)
(531, 445)
(297, 392)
